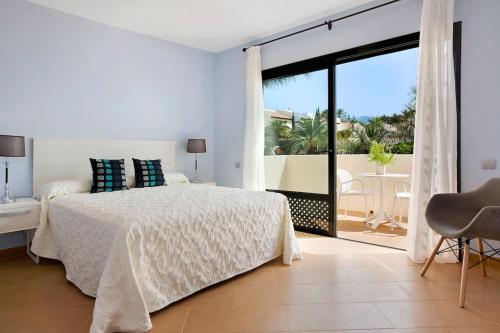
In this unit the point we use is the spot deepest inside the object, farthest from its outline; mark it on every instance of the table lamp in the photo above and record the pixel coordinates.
(10, 146)
(196, 146)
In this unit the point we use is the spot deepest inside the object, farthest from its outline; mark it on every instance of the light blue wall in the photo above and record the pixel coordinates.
(480, 72)
(63, 76)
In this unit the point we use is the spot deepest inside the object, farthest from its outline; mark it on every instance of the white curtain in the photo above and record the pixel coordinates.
(253, 158)
(434, 167)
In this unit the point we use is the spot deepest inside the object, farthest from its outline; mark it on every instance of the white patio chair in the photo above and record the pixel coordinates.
(401, 195)
(345, 189)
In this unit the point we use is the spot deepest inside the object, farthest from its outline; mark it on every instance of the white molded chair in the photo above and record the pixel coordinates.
(401, 194)
(346, 189)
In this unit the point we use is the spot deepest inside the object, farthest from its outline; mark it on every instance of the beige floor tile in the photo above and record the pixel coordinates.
(368, 292)
(336, 331)
(353, 261)
(431, 290)
(431, 330)
(15, 273)
(490, 308)
(76, 300)
(85, 327)
(42, 321)
(313, 275)
(220, 295)
(432, 314)
(262, 276)
(425, 290)
(328, 246)
(402, 330)
(314, 261)
(261, 318)
(333, 289)
(475, 330)
(208, 320)
(383, 273)
(170, 320)
(452, 272)
(284, 294)
(391, 259)
(335, 316)
(38, 294)
(236, 319)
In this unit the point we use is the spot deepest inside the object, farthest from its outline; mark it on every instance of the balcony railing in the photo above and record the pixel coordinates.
(304, 179)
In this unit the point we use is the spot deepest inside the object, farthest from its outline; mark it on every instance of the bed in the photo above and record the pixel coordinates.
(139, 250)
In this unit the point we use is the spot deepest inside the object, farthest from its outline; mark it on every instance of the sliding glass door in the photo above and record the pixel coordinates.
(375, 99)
(323, 115)
(297, 145)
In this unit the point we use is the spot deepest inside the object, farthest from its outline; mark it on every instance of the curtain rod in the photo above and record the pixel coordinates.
(327, 23)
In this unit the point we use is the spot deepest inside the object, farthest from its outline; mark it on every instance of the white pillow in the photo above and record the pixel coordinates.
(176, 177)
(170, 178)
(63, 187)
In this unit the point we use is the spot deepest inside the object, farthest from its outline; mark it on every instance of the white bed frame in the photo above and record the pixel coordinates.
(62, 159)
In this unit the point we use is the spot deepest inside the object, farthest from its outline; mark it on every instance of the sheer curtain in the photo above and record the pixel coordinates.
(253, 157)
(434, 167)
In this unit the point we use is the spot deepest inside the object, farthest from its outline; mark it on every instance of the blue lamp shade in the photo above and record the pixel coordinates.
(12, 146)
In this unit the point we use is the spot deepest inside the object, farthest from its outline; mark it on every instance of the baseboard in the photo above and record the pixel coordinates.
(13, 253)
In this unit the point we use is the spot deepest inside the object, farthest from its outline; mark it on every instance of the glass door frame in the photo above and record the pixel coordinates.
(329, 62)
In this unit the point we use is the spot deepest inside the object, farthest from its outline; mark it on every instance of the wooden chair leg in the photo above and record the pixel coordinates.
(431, 257)
(465, 270)
(481, 252)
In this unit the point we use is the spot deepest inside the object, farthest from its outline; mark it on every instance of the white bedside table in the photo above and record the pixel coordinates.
(207, 183)
(23, 214)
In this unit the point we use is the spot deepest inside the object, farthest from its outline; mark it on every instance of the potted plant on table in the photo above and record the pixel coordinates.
(380, 157)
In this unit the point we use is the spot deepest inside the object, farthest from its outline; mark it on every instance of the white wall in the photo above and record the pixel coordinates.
(480, 72)
(65, 76)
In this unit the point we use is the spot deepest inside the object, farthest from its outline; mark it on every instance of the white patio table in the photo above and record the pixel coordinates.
(381, 216)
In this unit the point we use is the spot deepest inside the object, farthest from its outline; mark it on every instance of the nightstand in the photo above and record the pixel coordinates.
(23, 214)
(207, 183)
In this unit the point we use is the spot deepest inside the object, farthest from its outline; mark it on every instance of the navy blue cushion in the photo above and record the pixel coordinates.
(148, 173)
(108, 175)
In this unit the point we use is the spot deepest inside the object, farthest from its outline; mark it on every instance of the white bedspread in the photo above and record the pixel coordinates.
(139, 250)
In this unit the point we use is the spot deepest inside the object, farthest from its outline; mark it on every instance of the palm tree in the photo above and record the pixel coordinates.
(376, 129)
(310, 135)
(281, 81)
(275, 132)
(341, 114)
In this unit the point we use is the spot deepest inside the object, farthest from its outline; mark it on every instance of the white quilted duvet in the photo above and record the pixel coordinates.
(139, 250)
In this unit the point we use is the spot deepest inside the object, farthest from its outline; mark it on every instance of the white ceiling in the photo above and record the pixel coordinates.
(211, 25)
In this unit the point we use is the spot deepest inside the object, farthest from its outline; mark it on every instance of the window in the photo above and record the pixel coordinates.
(296, 132)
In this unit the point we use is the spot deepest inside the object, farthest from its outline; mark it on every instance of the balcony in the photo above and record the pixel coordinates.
(309, 174)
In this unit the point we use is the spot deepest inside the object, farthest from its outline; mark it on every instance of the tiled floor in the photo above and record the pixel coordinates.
(353, 226)
(340, 286)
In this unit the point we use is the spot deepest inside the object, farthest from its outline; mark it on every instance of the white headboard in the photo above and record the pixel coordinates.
(61, 159)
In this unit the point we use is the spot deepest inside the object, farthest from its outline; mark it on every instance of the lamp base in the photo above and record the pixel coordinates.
(8, 200)
(196, 181)
(6, 195)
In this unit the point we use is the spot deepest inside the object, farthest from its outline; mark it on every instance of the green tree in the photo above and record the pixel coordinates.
(376, 129)
(342, 115)
(310, 135)
(275, 132)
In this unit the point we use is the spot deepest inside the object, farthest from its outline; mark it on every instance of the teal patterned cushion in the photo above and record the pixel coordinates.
(108, 175)
(148, 173)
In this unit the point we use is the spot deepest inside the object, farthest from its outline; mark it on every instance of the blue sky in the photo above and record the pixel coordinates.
(369, 87)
